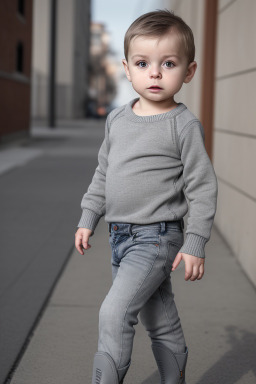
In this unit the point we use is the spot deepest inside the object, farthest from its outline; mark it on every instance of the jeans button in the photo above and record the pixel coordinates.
(115, 227)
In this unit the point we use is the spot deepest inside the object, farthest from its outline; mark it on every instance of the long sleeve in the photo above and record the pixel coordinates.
(201, 188)
(93, 202)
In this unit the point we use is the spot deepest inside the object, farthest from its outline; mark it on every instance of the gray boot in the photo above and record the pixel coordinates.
(171, 365)
(104, 370)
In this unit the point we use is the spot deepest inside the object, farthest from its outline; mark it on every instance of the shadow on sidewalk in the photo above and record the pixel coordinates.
(236, 362)
(233, 365)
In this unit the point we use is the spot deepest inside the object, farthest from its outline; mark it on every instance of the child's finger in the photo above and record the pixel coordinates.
(201, 271)
(195, 273)
(86, 244)
(176, 262)
(78, 244)
(188, 271)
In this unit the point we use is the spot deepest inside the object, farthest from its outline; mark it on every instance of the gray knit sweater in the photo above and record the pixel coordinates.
(154, 168)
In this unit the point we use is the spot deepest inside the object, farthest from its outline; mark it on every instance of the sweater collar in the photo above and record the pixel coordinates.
(151, 118)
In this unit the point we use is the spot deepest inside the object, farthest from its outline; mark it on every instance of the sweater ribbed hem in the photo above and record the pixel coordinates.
(152, 118)
(89, 219)
(194, 245)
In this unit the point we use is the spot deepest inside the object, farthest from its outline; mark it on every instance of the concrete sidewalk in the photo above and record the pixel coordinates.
(42, 181)
(218, 315)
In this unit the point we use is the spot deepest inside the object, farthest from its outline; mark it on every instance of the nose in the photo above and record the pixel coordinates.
(155, 72)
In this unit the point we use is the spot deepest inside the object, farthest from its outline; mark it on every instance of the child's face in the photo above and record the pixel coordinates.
(160, 63)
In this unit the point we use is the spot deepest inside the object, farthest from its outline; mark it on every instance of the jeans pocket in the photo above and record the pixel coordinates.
(172, 250)
(147, 237)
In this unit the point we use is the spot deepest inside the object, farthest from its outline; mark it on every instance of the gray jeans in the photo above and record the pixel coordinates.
(142, 258)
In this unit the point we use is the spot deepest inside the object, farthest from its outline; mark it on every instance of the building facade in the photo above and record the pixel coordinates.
(222, 94)
(103, 70)
(15, 68)
(72, 58)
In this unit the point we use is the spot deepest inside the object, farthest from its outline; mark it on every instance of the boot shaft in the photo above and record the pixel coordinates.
(170, 365)
(105, 371)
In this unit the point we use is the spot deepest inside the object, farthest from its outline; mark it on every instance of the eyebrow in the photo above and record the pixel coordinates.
(145, 56)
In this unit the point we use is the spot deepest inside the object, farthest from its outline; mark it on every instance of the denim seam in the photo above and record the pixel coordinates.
(164, 303)
(165, 262)
(137, 291)
(167, 254)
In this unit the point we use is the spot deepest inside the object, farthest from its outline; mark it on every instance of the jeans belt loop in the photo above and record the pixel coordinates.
(130, 229)
(162, 226)
(109, 227)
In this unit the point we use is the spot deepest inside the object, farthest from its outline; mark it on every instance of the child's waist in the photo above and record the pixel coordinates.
(130, 228)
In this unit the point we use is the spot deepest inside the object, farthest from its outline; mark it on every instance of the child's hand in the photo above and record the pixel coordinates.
(194, 266)
(82, 239)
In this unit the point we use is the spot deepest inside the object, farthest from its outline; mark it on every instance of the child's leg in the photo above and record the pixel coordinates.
(160, 318)
(139, 275)
(140, 254)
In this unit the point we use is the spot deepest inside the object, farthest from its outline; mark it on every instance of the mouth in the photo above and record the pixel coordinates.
(154, 87)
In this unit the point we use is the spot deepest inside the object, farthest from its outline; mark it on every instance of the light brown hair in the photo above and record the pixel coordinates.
(157, 24)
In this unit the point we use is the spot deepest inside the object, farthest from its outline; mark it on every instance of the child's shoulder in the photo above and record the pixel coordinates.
(116, 113)
(186, 117)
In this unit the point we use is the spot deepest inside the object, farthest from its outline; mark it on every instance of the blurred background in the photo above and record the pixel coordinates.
(60, 75)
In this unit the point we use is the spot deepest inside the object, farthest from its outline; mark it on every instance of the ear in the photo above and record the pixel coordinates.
(190, 71)
(126, 68)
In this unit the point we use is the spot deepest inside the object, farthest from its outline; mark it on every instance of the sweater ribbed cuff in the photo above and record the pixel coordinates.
(89, 219)
(194, 245)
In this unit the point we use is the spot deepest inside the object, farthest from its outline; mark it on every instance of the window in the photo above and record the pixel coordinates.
(20, 57)
(21, 7)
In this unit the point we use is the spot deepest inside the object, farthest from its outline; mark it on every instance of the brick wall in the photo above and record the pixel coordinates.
(15, 68)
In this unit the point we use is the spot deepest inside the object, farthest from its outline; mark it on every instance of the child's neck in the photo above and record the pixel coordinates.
(144, 107)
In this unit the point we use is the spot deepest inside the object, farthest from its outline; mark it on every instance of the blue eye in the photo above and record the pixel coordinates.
(141, 62)
(170, 64)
